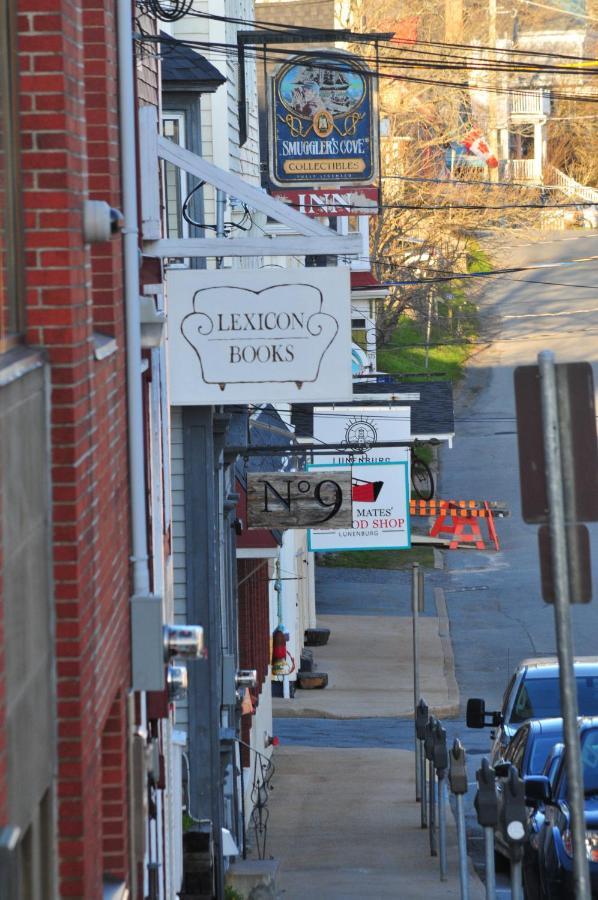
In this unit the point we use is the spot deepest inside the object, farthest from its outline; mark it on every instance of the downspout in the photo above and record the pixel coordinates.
(139, 557)
(132, 291)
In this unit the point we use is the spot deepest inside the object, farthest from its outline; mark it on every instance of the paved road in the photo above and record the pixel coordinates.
(496, 613)
(493, 599)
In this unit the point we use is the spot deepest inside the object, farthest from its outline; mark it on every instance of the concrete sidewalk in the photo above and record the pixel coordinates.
(369, 661)
(344, 824)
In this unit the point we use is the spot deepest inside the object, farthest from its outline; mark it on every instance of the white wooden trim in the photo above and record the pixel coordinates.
(236, 187)
(262, 246)
(257, 552)
(151, 223)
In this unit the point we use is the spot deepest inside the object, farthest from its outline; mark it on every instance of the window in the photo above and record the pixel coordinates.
(359, 333)
(539, 698)
(175, 180)
(11, 249)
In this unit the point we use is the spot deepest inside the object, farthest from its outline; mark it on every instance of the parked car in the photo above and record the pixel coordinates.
(533, 692)
(550, 821)
(527, 751)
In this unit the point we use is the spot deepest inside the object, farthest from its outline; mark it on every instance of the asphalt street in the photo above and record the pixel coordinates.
(497, 616)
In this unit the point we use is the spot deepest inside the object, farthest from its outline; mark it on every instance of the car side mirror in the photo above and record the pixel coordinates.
(537, 789)
(476, 715)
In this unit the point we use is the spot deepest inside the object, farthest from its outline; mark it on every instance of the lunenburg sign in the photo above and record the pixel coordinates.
(299, 499)
(265, 334)
(323, 122)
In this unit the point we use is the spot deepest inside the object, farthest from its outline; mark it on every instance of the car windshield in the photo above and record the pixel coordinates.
(539, 698)
(540, 750)
(589, 758)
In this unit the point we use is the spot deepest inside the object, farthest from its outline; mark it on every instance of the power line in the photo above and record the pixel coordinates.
(276, 54)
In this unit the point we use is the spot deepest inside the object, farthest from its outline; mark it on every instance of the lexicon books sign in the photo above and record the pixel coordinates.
(232, 332)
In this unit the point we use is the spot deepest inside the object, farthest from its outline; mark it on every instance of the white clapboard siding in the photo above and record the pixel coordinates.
(178, 539)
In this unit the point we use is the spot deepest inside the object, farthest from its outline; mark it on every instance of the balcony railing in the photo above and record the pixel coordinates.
(522, 170)
(528, 103)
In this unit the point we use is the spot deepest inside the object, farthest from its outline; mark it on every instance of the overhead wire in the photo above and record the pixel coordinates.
(277, 54)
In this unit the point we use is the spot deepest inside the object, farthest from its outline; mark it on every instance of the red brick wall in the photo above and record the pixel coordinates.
(68, 94)
(101, 119)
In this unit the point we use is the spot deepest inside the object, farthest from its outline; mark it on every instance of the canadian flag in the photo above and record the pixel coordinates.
(476, 143)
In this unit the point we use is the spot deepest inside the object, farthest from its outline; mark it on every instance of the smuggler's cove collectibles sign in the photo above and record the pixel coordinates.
(380, 496)
(323, 122)
(246, 336)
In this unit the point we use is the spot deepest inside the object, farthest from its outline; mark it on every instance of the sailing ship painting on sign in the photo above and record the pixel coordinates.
(230, 332)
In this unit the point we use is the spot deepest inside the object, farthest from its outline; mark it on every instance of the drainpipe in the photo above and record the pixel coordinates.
(127, 100)
(139, 557)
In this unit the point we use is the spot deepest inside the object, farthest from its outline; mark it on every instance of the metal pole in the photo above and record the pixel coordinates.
(415, 619)
(490, 873)
(556, 478)
(424, 784)
(220, 207)
(432, 808)
(516, 882)
(442, 824)
(428, 329)
(462, 842)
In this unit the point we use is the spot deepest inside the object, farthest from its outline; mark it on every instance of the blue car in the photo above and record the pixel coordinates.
(550, 835)
(528, 752)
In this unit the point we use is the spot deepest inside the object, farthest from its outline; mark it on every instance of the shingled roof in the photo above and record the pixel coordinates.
(185, 70)
(431, 415)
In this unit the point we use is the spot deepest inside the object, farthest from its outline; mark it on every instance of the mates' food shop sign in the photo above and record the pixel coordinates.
(323, 122)
(267, 334)
(380, 496)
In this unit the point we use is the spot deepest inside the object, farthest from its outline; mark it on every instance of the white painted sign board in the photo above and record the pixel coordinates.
(247, 336)
(380, 510)
(359, 427)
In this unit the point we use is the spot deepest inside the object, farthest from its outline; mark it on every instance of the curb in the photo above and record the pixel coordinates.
(447, 648)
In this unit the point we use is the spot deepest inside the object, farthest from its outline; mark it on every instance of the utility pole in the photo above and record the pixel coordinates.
(453, 21)
(492, 84)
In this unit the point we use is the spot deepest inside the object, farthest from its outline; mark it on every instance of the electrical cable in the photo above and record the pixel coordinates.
(230, 50)
(175, 11)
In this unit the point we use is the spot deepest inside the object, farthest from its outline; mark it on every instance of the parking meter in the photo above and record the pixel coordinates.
(486, 801)
(513, 813)
(439, 748)
(457, 768)
(429, 738)
(421, 720)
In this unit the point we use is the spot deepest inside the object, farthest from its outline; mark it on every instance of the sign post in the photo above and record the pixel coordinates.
(558, 486)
